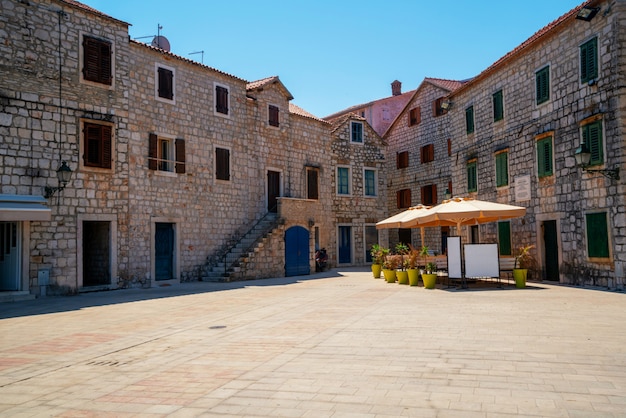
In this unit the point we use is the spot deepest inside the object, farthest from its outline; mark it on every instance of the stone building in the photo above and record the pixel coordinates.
(179, 171)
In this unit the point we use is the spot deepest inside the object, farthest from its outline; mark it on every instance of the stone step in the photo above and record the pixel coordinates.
(16, 296)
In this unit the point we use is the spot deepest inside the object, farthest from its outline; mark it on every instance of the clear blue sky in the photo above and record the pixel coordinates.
(333, 54)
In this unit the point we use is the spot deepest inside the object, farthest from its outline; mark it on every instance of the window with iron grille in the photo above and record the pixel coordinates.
(544, 157)
(498, 106)
(427, 153)
(597, 235)
(403, 198)
(97, 60)
(97, 142)
(542, 81)
(402, 159)
(589, 61)
(592, 137)
(221, 99)
(273, 116)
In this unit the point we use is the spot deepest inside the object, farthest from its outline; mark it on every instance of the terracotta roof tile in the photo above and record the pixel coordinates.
(297, 110)
(79, 5)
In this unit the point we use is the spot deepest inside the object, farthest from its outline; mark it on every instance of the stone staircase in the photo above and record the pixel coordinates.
(227, 267)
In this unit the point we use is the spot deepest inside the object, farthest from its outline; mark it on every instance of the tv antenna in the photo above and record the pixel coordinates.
(199, 52)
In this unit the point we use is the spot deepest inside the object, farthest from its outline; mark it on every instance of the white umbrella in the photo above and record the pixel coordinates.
(398, 220)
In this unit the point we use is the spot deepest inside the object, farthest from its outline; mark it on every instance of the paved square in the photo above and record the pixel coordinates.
(335, 344)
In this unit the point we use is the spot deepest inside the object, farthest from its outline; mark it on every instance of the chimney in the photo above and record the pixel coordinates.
(396, 88)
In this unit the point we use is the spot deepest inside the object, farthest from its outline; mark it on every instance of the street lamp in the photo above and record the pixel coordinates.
(64, 173)
(583, 158)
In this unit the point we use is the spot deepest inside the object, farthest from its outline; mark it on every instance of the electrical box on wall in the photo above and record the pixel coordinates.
(43, 277)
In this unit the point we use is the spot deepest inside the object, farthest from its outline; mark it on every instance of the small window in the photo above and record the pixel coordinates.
(472, 176)
(427, 153)
(438, 107)
(273, 116)
(165, 83)
(504, 238)
(221, 99)
(429, 194)
(312, 183)
(369, 182)
(343, 180)
(97, 60)
(97, 145)
(498, 106)
(415, 116)
(544, 157)
(597, 235)
(403, 198)
(502, 169)
(402, 159)
(592, 137)
(543, 85)
(222, 164)
(589, 61)
(469, 120)
(449, 147)
(166, 154)
(356, 132)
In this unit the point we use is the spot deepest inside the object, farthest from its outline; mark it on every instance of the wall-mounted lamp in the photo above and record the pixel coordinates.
(64, 173)
(446, 104)
(583, 157)
(447, 195)
(311, 223)
(587, 13)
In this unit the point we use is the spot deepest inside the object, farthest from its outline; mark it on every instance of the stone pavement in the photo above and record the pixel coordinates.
(334, 344)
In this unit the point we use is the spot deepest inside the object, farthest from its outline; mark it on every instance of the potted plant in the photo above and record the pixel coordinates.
(429, 276)
(522, 258)
(402, 274)
(412, 270)
(389, 268)
(378, 257)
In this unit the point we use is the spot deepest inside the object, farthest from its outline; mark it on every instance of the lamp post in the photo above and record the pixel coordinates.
(64, 174)
(583, 158)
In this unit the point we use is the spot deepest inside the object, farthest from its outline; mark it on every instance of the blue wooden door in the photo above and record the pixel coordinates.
(345, 244)
(164, 251)
(297, 251)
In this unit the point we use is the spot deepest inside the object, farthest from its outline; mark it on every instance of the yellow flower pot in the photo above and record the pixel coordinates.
(430, 280)
(390, 275)
(403, 276)
(414, 277)
(520, 277)
(376, 269)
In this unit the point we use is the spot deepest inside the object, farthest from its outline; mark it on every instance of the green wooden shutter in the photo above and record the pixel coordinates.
(589, 60)
(472, 183)
(544, 157)
(469, 119)
(502, 170)
(498, 106)
(504, 237)
(592, 136)
(597, 235)
(543, 85)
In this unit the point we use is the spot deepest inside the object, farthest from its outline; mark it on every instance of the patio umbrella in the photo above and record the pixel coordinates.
(398, 220)
(464, 211)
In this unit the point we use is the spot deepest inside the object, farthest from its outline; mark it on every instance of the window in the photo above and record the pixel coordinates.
(273, 116)
(429, 194)
(166, 154)
(589, 61)
(402, 159)
(472, 176)
(369, 182)
(449, 147)
(97, 145)
(438, 109)
(221, 99)
(165, 83)
(504, 238)
(222, 164)
(415, 116)
(343, 180)
(427, 153)
(592, 137)
(543, 85)
(502, 169)
(97, 60)
(403, 198)
(356, 132)
(597, 235)
(498, 106)
(469, 120)
(544, 157)
(312, 183)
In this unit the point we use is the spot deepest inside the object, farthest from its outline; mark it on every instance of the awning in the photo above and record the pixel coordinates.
(23, 208)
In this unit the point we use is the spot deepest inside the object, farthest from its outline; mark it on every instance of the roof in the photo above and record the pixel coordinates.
(84, 7)
(351, 109)
(178, 57)
(539, 36)
(259, 85)
(297, 110)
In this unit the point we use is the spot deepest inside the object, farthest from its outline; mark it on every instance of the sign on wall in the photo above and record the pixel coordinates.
(522, 188)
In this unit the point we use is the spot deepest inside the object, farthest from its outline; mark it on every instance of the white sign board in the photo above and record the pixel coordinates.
(522, 188)
(481, 260)
(454, 258)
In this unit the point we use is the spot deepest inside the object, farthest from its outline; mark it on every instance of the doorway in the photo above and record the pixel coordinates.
(10, 256)
(96, 253)
(297, 251)
(164, 251)
(344, 245)
(551, 250)
(273, 190)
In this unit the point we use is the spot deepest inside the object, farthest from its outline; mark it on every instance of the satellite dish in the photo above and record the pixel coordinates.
(161, 42)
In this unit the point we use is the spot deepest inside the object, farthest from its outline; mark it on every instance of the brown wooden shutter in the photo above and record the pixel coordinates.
(152, 152)
(166, 83)
(222, 164)
(180, 155)
(450, 188)
(312, 184)
(423, 195)
(97, 60)
(434, 198)
(105, 63)
(221, 102)
(106, 146)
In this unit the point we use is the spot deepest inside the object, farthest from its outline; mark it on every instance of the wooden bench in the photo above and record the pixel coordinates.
(506, 267)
